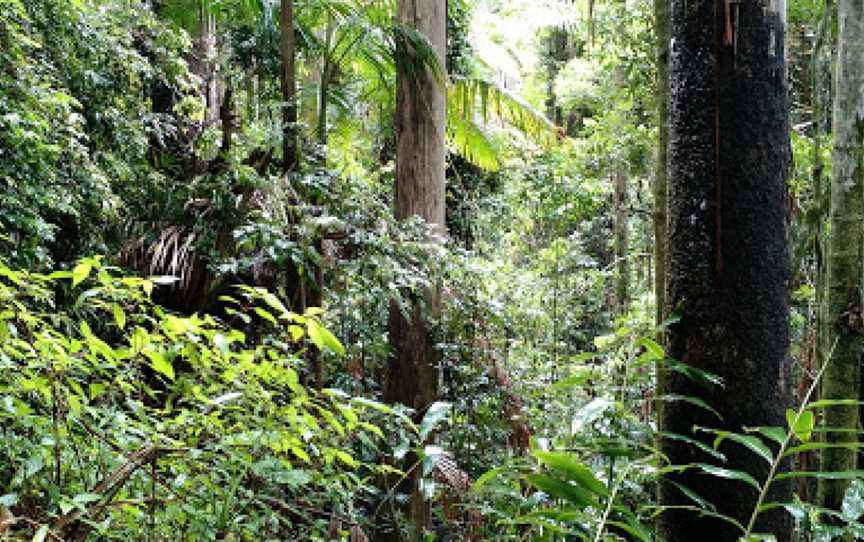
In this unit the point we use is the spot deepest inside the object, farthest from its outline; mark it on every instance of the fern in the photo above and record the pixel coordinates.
(801, 424)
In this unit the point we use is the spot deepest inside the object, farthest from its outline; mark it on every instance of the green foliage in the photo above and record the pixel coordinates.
(73, 131)
(136, 403)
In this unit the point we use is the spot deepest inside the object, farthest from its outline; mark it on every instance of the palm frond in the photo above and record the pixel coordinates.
(415, 55)
(472, 102)
(473, 97)
(473, 144)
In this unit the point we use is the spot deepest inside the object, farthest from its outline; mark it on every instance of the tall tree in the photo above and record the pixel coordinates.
(841, 379)
(288, 73)
(421, 114)
(728, 257)
(622, 245)
(662, 30)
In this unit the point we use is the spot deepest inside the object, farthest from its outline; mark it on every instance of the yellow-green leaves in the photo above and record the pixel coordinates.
(322, 338)
(81, 271)
(801, 424)
(119, 315)
(160, 363)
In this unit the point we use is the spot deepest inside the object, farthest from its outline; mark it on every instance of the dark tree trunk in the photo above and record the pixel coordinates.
(728, 254)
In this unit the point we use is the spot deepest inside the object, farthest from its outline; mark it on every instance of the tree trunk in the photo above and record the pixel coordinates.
(822, 74)
(420, 127)
(622, 248)
(287, 46)
(204, 61)
(841, 379)
(662, 28)
(728, 259)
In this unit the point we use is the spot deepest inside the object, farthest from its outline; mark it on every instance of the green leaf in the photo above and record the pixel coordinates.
(81, 271)
(265, 315)
(435, 414)
(322, 338)
(119, 315)
(573, 469)
(801, 425)
(562, 490)
(777, 434)
(757, 537)
(652, 348)
(728, 474)
(345, 458)
(751, 442)
(577, 379)
(96, 389)
(636, 531)
(139, 340)
(274, 303)
(160, 363)
(695, 401)
(693, 442)
(489, 475)
(693, 496)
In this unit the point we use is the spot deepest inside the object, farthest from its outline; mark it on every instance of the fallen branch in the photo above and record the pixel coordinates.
(111, 484)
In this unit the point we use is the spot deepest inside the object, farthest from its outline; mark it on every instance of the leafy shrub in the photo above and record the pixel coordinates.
(137, 423)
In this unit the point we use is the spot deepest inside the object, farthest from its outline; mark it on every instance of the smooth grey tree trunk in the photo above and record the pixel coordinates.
(844, 326)
(728, 260)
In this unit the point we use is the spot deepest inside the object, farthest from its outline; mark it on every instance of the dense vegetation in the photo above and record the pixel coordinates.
(424, 270)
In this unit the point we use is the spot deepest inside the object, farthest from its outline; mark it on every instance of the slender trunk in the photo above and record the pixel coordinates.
(728, 259)
(662, 24)
(204, 63)
(288, 46)
(324, 86)
(841, 379)
(420, 151)
(622, 248)
(663, 31)
(821, 192)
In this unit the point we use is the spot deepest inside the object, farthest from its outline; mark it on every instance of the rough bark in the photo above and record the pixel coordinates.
(420, 127)
(728, 259)
(287, 48)
(841, 379)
